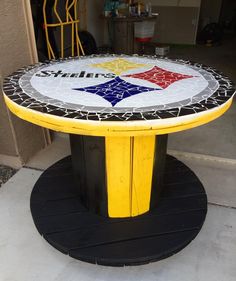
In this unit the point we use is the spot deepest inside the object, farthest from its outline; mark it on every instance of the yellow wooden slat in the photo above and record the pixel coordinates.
(143, 157)
(118, 168)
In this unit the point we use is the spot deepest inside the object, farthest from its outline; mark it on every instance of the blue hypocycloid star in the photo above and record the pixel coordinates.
(116, 90)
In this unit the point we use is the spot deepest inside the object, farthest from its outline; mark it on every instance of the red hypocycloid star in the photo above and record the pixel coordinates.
(159, 76)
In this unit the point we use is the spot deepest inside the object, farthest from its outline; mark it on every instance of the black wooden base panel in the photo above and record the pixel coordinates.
(68, 226)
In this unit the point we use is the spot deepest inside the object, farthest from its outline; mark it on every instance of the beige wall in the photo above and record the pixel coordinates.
(175, 3)
(17, 137)
(7, 144)
(176, 25)
(177, 22)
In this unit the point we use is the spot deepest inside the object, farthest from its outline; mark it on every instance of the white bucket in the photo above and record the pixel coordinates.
(144, 30)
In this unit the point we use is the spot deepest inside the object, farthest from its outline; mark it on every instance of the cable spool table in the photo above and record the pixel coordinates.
(118, 199)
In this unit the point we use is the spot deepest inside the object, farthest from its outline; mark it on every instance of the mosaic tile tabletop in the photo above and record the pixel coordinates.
(118, 88)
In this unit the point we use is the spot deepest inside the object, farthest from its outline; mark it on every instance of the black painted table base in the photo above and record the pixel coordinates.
(68, 226)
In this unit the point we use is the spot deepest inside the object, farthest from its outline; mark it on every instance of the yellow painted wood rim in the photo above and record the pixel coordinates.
(116, 128)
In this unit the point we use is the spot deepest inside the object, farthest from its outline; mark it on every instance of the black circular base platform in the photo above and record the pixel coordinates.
(69, 227)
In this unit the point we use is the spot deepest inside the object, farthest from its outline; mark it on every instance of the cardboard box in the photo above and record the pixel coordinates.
(162, 50)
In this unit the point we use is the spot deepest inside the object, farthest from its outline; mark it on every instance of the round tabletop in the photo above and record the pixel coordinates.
(118, 95)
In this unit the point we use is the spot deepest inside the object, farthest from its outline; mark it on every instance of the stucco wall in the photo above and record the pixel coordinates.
(17, 137)
(7, 145)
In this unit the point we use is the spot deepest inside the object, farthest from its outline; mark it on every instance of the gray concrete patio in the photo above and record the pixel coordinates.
(26, 256)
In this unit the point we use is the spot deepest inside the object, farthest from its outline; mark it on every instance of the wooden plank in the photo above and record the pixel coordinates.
(120, 37)
(118, 167)
(78, 160)
(143, 157)
(159, 168)
(151, 249)
(95, 174)
(71, 228)
(88, 159)
(138, 229)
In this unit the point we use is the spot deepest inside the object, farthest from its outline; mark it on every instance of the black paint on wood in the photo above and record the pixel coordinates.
(66, 224)
(88, 161)
(158, 169)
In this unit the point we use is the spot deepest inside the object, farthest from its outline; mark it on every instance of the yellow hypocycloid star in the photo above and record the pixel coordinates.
(118, 66)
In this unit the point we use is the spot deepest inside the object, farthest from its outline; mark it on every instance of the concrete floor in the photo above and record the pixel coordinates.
(222, 57)
(217, 138)
(210, 151)
(26, 256)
